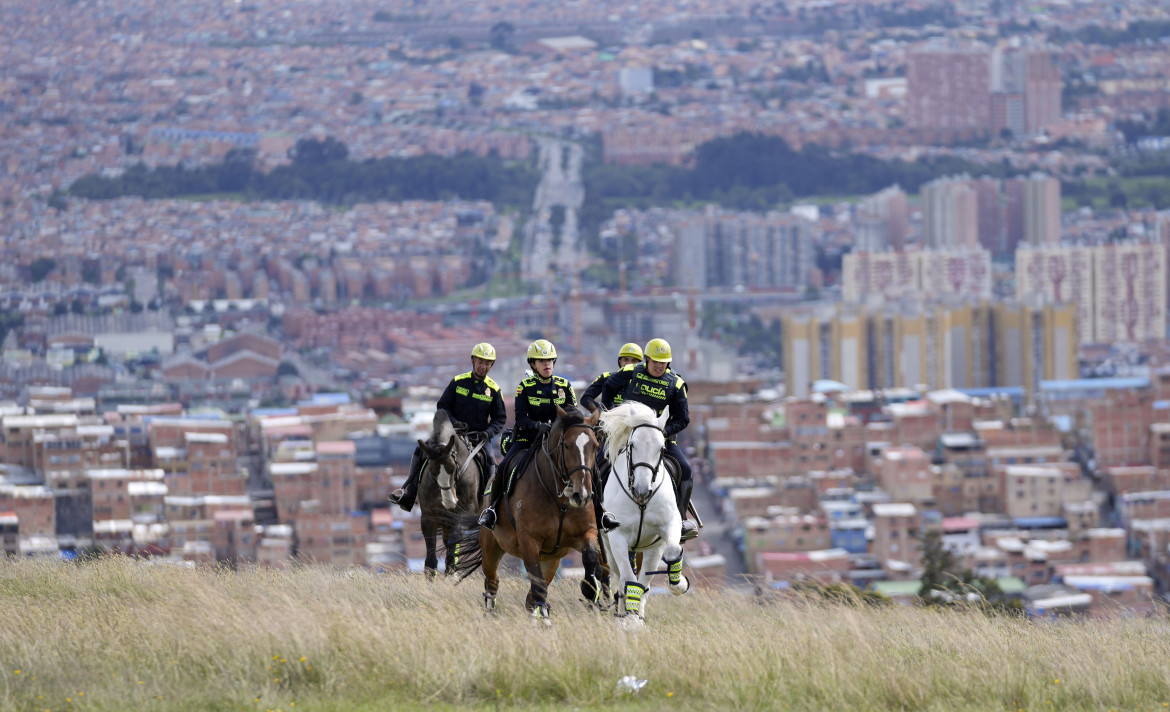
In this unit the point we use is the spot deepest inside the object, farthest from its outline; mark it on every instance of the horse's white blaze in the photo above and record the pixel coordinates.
(582, 441)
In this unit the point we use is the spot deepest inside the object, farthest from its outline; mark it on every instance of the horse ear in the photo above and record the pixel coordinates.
(665, 416)
(426, 450)
(561, 412)
(447, 448)
(594, 417)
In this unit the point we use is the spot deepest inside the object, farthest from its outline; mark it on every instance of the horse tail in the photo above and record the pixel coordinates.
(468, 555)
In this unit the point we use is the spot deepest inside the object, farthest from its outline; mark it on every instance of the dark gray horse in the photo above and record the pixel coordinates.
(449, 485)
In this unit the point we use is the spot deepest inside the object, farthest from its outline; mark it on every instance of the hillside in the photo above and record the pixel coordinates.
(115, 635)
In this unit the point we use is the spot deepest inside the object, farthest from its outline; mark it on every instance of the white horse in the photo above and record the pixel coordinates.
(640, 494)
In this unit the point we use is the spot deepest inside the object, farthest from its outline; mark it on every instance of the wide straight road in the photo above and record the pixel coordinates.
(560, 187)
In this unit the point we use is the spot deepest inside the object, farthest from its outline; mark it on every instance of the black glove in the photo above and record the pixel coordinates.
(543, 428)
(475, 437)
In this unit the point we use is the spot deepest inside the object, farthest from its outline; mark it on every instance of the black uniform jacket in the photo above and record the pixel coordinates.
(634, 383)
(536, 402)
(479, 404)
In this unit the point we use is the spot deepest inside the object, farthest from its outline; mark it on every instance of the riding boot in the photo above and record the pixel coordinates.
(689, 529)
(405, 495)
(605, 520)
(487, 518)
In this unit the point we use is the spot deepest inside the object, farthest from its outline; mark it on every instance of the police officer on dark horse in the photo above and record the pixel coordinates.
(654, 384)
(474, 400)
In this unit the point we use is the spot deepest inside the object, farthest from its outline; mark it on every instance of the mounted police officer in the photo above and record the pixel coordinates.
(629, 355)
(475, 400)
(654, 384)
(535, 407)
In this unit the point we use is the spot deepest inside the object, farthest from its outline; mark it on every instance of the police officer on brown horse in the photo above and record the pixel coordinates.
(470, 398)
(537, 398)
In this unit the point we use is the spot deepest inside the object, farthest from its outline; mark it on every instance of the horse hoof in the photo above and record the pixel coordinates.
(541, 614)
(632, 623)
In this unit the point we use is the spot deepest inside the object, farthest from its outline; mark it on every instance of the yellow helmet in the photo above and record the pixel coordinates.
(658, 350)
(541, 349)
(485, 351)
(631, 351)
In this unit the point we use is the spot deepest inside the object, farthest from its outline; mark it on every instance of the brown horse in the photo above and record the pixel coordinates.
(548, 514)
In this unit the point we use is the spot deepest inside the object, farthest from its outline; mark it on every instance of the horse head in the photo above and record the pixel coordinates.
(572, 448)
(636, 436)
(444, 452)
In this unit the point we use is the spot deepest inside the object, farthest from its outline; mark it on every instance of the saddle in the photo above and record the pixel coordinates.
(515, 470)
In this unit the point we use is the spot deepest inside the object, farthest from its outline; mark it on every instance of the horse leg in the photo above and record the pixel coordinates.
(617, 548)
(430, 533)
(490, 563)
(450, 544)
(638, 586)
(548, 570)
(537, 600)
(592, 587)
(672, 557)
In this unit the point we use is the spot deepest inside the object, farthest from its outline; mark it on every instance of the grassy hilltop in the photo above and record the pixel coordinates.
(117, 635)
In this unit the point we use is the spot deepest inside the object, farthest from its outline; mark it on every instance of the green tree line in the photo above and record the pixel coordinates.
(1139, 31)
(751, 171)
(322, 171)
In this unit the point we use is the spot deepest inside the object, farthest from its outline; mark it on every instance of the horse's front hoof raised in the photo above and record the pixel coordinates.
(681, 587)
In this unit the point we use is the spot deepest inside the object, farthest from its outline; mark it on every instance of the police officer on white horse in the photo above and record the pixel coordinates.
(654, 384)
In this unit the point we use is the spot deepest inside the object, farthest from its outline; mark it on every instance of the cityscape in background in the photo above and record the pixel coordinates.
(911, 258)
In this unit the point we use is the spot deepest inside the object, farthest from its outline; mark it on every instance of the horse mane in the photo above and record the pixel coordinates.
(620, 422)
(441, 430)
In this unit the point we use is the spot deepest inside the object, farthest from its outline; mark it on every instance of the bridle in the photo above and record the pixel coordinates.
(641, 502)
(561, 471)
(654, 467)
(460, 470)
(564, 477)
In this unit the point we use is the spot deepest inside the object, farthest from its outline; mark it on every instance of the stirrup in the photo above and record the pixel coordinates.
(609, 522)
(487, 518)
(397, 495)
(690, 530)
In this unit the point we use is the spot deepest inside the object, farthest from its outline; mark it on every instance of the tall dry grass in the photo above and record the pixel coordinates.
(117, 635)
